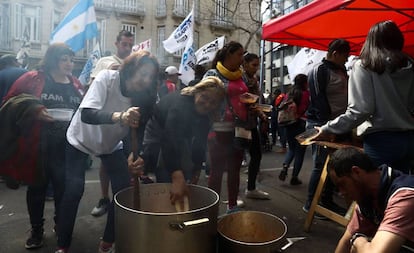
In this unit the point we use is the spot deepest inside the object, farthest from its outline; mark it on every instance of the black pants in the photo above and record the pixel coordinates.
(255, 159)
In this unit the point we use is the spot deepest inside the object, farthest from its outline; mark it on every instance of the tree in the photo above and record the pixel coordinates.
(230, 16)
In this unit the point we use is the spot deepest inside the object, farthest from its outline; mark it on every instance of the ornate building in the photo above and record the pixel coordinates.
(30, 23)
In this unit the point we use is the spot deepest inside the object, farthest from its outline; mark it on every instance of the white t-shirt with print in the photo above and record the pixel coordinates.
(104, 94)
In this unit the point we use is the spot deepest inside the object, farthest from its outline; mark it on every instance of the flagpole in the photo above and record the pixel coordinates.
(262, 66)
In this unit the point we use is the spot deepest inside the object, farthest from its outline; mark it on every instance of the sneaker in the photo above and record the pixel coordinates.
(240, 203)
(295, 181)
(101, 208)
(36, 239)
(283, 173)
(315, 215)
(105, 247)
(233, 210)
(257, 194)
(61, 250)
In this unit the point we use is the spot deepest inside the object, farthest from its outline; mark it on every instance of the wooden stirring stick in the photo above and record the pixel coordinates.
(186, 205)
(134, 148)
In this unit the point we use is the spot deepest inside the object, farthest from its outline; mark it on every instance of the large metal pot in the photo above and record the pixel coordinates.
(158, 228)
(251, 232)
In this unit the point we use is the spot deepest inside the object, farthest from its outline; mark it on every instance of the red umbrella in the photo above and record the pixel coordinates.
(317, 23)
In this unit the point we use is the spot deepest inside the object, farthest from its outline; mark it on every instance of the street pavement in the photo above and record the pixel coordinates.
(286, 202)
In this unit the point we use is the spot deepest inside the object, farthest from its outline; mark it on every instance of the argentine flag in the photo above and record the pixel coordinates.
(77, 26)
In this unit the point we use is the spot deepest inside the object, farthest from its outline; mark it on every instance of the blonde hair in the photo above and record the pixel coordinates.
(210, 83)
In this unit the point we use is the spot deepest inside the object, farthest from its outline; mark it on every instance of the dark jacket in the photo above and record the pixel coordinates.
(391, 181)
(328, 91)
(18, 142)
(24, 161)
(175, 124)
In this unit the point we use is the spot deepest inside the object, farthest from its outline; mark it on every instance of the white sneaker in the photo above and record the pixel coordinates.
(257, 194)
(240, 203)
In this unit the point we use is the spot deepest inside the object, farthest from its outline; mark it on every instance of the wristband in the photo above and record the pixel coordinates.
(355, 236)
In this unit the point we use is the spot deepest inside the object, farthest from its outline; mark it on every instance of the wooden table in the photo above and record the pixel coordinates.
(315, 207)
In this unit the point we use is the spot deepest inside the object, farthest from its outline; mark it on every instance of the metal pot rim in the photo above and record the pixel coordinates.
(217, 198)
(255, 243)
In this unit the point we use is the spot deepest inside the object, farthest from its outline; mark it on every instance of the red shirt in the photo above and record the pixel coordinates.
(234, 90)
(398, 217)
(170, 86)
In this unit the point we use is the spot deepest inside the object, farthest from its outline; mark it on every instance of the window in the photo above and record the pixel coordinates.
(56, 18)
(181, 8)
(102, 35)
(196, 41)
(160, 39)
(27, 22)
(5, 39)
(130, 28)
(221, 10)
(161, 10)
(182, 4)
(197, 10)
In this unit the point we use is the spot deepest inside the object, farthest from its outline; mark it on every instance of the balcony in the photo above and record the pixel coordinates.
(131, 7)
(161, 12)
(180, 11)
(222, 23)
(104, 5)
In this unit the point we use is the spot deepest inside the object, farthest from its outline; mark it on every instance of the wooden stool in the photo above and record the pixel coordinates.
(315, 207)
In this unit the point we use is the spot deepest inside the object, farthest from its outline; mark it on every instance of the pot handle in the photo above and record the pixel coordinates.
(186, 224)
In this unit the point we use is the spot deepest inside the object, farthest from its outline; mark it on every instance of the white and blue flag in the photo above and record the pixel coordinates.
(188, 62)
(90, 64)
(181, 35)
(77, 26)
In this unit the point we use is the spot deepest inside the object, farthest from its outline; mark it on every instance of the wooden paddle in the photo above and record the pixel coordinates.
(186, 207)
(134, 148)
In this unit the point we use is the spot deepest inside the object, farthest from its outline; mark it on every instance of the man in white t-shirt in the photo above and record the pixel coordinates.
(124, 43)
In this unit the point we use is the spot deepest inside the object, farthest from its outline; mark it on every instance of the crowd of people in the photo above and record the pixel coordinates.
(215, 120)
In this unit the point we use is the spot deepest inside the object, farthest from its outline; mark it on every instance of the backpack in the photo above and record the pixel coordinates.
(287, 111)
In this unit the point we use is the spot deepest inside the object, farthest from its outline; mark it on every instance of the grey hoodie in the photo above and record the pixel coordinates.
(377, 102)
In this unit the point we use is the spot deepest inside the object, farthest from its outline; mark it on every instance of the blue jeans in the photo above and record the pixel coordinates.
(282, 135)
(116, 167)
(319, 155)
(395, 149)
(295, 150)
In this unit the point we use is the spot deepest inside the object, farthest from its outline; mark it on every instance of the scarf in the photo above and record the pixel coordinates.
(230, 75)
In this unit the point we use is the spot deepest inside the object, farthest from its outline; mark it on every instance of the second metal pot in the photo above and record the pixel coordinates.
(251, 232)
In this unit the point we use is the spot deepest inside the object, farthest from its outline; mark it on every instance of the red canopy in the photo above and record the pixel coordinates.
(317, 23)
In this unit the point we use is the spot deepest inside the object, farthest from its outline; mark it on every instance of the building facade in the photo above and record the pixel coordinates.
(279, 55)
(29, 23)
